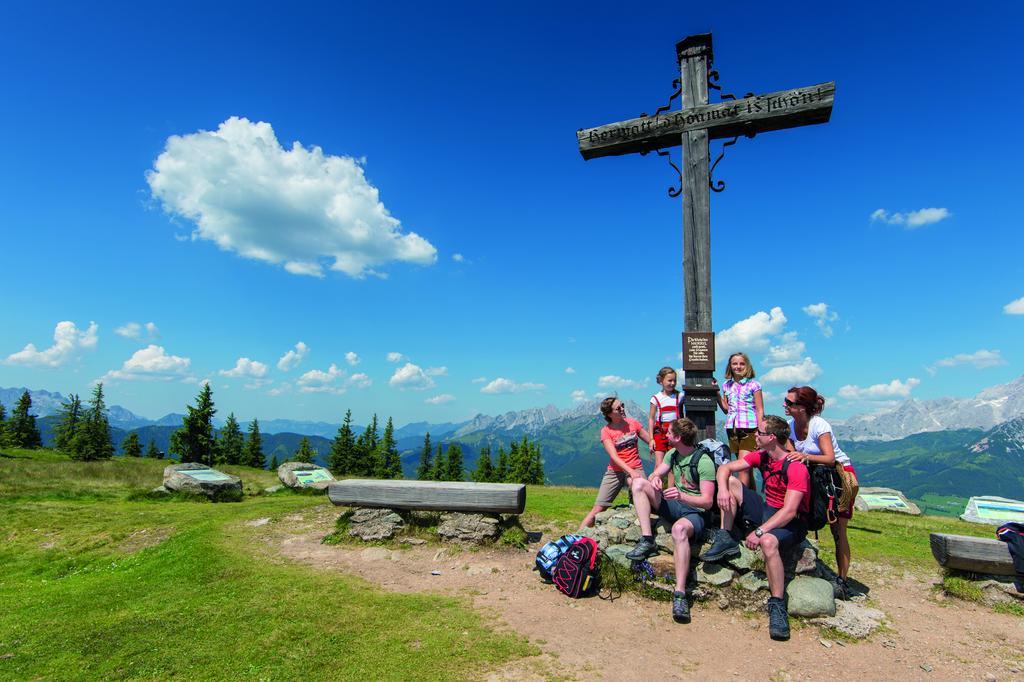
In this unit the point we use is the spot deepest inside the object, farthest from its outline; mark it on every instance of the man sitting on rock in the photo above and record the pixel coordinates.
(683, 506)
(778, 519)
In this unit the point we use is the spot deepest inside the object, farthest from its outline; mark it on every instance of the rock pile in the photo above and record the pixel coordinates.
(739, 582)
(385, 524)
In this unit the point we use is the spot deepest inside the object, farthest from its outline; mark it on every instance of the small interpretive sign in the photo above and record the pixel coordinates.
(206, 474)
(699, 351)
(311, 476)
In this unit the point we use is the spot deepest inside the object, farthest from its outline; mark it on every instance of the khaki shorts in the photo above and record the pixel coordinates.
(612, 483)
(741, 439)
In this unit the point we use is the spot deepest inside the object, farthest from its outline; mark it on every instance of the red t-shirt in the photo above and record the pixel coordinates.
(774, 488)
(625, 441)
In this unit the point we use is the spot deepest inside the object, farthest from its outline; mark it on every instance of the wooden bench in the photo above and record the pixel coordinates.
(976, 555)
(493, 498)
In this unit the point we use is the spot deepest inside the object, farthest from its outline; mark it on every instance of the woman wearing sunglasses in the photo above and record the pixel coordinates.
(816, 444)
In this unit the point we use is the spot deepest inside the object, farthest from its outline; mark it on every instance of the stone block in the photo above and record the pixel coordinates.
(469, 528)
(199, 479)
(810, 597)
(753, 581)
(304, 475)
(854, 619)
(714, 574)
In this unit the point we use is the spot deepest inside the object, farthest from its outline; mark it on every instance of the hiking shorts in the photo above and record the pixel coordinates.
(612, 483)
(755, 512)
(660, 437)
(741, 439)
(673, 510)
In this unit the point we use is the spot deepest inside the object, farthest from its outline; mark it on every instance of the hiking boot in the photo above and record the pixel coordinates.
(723, 547)
(778, 620)
(841, 589)
(644, 548)
(680, 608)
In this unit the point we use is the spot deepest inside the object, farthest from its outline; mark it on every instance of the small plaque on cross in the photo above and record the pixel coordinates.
(699, 351)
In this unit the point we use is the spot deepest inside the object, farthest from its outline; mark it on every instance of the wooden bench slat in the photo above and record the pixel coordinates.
(977, 555)
(494, 498)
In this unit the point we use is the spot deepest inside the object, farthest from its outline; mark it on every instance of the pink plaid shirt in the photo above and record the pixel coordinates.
(741, 403)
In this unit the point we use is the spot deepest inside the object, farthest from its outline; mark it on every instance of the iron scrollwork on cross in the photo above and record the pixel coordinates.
(719, 186)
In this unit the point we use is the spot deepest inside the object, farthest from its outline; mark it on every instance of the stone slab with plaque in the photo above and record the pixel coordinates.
(199, 479)
(304, 475)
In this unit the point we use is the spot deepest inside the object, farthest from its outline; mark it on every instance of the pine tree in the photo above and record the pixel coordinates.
(501, 472)
(253, 454)
(536, 472)
(21, 431)
(342, 455)
(273, 463)
(194, 441)
(367, 453)
(3, 426)
(455, 470)
(130, 446)
(70, 417)
(305, 453)
(425, 471)
(231, 442)
(391, 462)
(152, 451)
(440, 468)
(484, 472)
(92, 437)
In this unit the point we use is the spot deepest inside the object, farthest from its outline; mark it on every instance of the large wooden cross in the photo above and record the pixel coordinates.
(692, 127)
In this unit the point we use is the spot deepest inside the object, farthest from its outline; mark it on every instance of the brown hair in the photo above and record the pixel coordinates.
(664, 372)
(606, 407)
(685, 430)
(776, 426)
(750, 374)
(808, 398)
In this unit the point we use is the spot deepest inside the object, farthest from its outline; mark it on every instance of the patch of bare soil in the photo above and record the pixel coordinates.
(143, 538)
(632, 638)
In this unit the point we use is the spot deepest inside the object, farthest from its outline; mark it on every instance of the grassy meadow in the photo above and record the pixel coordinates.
(100, 579)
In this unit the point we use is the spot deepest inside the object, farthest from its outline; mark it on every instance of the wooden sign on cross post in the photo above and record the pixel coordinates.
(692, 127)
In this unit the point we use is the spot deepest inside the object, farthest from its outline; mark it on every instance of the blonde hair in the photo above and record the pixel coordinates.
(664, 372)
(749, 374)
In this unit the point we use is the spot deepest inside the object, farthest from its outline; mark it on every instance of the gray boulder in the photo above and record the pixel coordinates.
(374, 524)
(199, 479)
(810, 597)
(469, 528)
(855, 620)
(714, 574)
(304, 475)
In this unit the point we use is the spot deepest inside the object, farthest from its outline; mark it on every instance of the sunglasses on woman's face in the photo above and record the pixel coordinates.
(620, 408)
(788, 403)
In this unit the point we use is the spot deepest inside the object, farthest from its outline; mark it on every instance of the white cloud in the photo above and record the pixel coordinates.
(797, 374)
(436, 371)
(244, 367)
(293, 358)
(359, 380)
(395, 357)
(280, 390)
(502, 385)
(913, 219)
(68, 344)
(133, 330)
(257, 383)
(787, 352)
(980, 359)
(1015, 307)
(458, 258)
(298, 208)
(352, 359)
(570, 370)
(318, 381)
(440, 399)
(151, 363)
(578, 396)
(479, 380)
(893, 389)
(823, 317)
(411, 377)
(613, 381)
(750, 334)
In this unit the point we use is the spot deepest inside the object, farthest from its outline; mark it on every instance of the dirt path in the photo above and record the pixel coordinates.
(929, 638)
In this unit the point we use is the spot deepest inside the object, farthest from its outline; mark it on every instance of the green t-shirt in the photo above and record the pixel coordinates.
(681, 470)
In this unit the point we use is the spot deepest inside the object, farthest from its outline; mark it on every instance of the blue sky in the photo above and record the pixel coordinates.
(397, 188)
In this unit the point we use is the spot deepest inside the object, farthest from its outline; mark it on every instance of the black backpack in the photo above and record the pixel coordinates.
(824, 491)
(575, 574)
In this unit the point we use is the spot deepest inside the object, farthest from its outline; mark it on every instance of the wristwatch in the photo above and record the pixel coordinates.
(758, 532)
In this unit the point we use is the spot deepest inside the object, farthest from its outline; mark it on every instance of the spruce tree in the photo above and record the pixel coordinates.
(273, 463)
(152, 451)
(253, 454)
(21, 430)
(501, 472)
(484, 472)
(130, 446)
(536, 471)
(391, 462)
(231, 442)
(343, 447)
(455, 470)
(194, 441)
(440, 468)
(70, 420)
(305, 453)
(367, 453)
(3, 426)
(92, 437)
(425, 471)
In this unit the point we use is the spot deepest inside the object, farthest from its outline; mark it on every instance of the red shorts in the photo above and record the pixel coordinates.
(660, 441)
